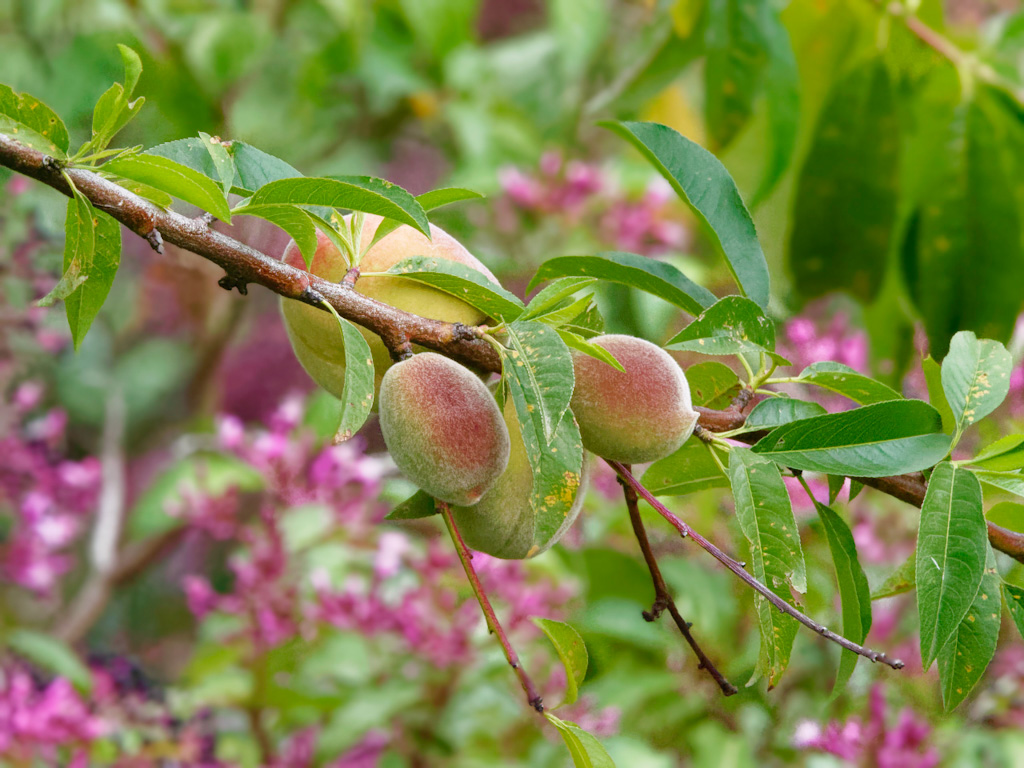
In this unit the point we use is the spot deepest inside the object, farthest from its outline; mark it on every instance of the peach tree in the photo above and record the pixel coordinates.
(496, 406)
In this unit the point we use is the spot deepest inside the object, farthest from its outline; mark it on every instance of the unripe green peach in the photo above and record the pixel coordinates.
(641, 415)
(315, 335)
(443, 428)
(503, 523)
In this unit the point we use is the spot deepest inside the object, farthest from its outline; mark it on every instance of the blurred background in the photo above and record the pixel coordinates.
(257, 611)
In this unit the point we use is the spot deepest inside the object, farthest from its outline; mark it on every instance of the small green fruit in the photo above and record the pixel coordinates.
(641, 415)
(443, 428)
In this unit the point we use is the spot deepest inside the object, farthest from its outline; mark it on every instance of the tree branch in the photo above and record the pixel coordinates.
(737, 568)
(663, 597)
(466, 557)
(245, 264)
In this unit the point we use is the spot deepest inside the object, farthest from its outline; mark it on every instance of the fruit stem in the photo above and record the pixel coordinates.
(662, 596)
(737, 568)
(532, 697)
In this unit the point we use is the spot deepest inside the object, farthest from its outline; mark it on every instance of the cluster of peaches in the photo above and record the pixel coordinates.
(441, 422)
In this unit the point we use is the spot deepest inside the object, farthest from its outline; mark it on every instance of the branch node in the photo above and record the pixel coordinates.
(348, 282)
(537, 703)
(701, 434)
(206, 218)
(228, 282)
(52, 164)
(155, 240)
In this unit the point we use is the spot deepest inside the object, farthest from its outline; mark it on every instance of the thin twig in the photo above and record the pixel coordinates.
(737, 568)
(532, 697)
(663, 597)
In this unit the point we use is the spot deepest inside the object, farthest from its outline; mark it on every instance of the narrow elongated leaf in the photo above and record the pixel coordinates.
(712, 384)
(975, 377)
(776, 558)
(902, 580)
(952, 542)
(553, 294)
(688, 470)
(848, 382)
(571, 650)
(737, 56)
(222, 162)
(421, 504)
(1004, 455)
(357, 393)
(1007, 481)
(557, 479)
(968, 232)
(47, 130)
(573, 341)
(253, 167)
(654, 277)
(586, 751)
(97, 259)
(539, 360)
(732, 325)
(132, 68)
(776, 411)
(113, 111)
(50, 654)
(175, 179)
(967, 654)
(292, 219)
(846, 196)
(854, 591)
(357, 193)
(702, 181)
(1014, 597)
(438, 198)
(461, 281)
(873, 441)
(782, 95)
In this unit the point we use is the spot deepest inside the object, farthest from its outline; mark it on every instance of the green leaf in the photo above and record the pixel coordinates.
(438, 198)
(32, 123)
(1014, 597)
(968, 229)
(292, 219)
(952, 540)
(113, 111)
(541, 364)
(902, 580)
(712, 384)
(654, 277)
(731, 326)
(253, 167)
(173, 178)
(782, 95)
(357, 393)
(975, 378)
(586, 751)
(690, 469)
(420, 504)
(222, 162)
(554, 294)
(1008, 515)
(1007, 481)
(461, 281)
(846, 195)
(51, 655)
(557, 476)
(357, 193)
(571, 650)
(97, 259)
(766, 518)
(854, 591)
(702, 181)
(132, 69)
(69, 282)
(574, 341)
(964, 659)
(936, 395)
(889, 438)
(847, 382)
(776, 411)
(1004, 455)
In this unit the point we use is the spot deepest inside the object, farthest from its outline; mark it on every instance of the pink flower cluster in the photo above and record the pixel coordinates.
(50, 497)
(45, 721)
(876, 742)
(808, 340)
(583, 194)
